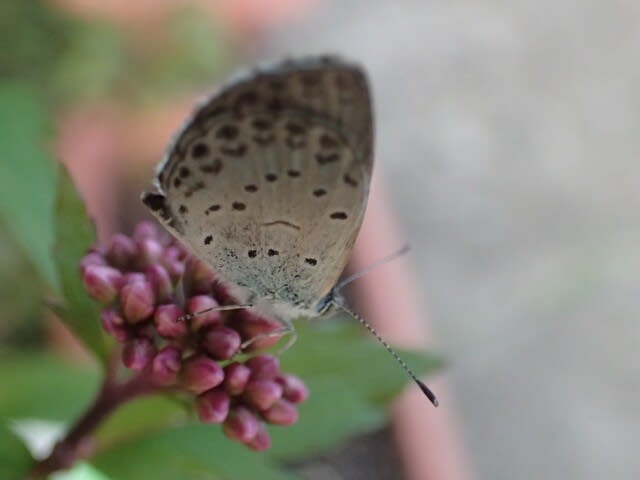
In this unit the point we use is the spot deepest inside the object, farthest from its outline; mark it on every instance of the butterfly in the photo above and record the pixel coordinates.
(268, 182)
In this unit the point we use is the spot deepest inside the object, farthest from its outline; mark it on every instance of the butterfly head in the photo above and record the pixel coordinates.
(286, 307)
(328, 304)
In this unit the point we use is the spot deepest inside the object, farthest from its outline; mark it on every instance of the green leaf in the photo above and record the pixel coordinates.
(190, 452)
(35, 385)
(341, 349)
(332, 414)
(27, 176)
(74, 235)
(15, 459)
(351, 379)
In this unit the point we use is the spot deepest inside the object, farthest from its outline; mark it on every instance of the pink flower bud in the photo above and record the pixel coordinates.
(222, 292)
(121, 251)
(145, 329)
(263, 367)
(198, 276)
(114, 325)
(102, 283)
(281, 413)
(166, 319)
(198, 269)
(137, 353)
(175, 268)
(262, 394)
(184, 251)
(173, 261)
(241, 424)
(144, 230)
(202, 303)
(160, 282)
(221, 343)
(213, 406)
(136, 301)
(262, 440)
(294, 389)
(201, 373)
(166, 365)
(236, 376)
(133, 277)
(173, 252)
(92, 258)
(149, 252)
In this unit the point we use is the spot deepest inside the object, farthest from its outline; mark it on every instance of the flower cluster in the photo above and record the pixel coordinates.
(136, 280)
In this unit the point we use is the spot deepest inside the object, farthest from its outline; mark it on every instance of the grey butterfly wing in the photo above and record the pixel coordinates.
(268, 181)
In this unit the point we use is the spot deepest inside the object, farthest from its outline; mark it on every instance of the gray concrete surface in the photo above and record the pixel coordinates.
(514, 127)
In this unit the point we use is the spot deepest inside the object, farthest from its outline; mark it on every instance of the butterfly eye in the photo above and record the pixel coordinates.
(326, 303)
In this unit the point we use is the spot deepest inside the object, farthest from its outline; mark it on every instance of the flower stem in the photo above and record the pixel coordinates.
(78, 440)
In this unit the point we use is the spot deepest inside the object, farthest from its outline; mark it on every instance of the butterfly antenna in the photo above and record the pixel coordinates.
(373, 266)
(426, 390)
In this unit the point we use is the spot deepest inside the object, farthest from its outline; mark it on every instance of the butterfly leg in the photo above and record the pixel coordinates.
(286, 329)
(293, 337)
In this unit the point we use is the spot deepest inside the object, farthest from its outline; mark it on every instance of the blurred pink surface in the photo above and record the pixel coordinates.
(88, 144)
(428, 440)
(243, 15)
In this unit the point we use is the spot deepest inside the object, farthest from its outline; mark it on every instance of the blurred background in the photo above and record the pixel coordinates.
(507, 139)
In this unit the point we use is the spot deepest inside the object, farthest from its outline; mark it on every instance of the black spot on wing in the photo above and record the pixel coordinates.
(199, 150)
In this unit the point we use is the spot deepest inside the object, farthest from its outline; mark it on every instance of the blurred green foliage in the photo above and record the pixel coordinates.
(49, 61)
(33, 40)
(66, 60)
